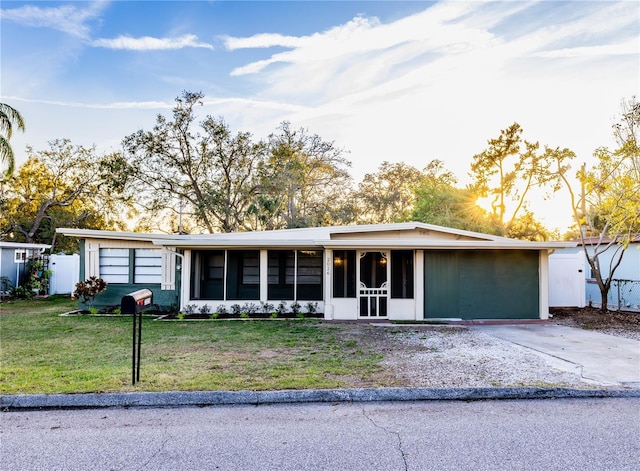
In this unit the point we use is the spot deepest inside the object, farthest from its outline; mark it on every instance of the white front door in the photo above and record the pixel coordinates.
(373, 286)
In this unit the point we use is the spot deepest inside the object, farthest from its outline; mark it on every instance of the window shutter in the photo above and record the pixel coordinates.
(168, 271)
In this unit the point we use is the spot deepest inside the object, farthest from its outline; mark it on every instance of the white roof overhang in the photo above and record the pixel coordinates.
(366, 244)
(322, 238)
(446, 244)
(95, 234)
(24, 245)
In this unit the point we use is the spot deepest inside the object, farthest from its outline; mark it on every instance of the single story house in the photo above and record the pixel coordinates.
(401, 271)
(13, 259)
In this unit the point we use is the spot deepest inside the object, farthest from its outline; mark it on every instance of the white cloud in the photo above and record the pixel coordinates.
(147, 43)
(67, 18)
(262, 41)
(364, 58)
(629, 47)
(440, 83)
(77, 104)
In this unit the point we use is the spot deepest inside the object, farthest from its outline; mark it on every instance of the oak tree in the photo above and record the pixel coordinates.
(63, 186)
(303, 182)
(199, 168)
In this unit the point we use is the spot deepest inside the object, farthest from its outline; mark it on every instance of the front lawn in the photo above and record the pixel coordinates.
(42, 352)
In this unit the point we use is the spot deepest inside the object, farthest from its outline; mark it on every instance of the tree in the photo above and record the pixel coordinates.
(64, 185)
(9, 118)
(440, 202)
(607, 213)
(209, 172)
(388, 195)
(505, 173)
(304, 181)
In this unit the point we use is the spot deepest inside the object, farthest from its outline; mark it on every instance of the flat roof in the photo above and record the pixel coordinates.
(323, 237)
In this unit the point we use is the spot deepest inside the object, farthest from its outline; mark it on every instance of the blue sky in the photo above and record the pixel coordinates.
(397, 81)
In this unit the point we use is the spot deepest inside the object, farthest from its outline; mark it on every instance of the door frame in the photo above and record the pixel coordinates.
(381, 292)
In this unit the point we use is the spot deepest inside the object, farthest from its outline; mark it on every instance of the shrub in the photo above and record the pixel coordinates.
(21, 292)
(190, 309)
(312, 308)
(266, 307)
(236, 309)
(221, 310)
(6, 287)
(205, 310)
(249, 308)
(295, 308)
(88, 289)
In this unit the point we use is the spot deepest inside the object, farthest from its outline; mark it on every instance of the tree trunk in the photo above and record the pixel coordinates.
(604, 295)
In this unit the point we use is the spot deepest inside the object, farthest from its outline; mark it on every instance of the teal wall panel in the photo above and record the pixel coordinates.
(114, 293)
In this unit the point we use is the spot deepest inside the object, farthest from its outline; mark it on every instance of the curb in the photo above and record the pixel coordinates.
(213, 398)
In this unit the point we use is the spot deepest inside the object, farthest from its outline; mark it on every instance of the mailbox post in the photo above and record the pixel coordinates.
(134, 303)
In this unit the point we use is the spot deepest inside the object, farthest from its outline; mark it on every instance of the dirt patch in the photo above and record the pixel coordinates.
(620, 323)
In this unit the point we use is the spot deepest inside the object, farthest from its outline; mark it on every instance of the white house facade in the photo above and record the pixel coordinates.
(402, 271)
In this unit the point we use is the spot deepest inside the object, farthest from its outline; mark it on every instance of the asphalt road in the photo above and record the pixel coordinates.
(561, 434)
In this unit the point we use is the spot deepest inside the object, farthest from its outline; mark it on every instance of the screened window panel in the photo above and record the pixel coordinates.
(207, 274)
(309, 275)
(344, 273)
(281, 266)
(402, 274)
(243, 274)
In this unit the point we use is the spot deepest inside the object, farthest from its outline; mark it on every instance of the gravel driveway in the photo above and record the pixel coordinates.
(459, 357)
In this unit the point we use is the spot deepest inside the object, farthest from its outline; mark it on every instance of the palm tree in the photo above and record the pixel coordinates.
(9, 117)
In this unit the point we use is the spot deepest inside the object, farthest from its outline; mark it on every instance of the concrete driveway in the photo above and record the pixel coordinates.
(599, 358)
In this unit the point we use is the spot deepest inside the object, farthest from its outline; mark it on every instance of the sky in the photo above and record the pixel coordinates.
(397, 81)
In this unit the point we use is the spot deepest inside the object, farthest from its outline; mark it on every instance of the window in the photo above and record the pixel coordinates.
(114, 265)
(20, 256)
(207, 274)
(309, 275)
(281, 268)
(344, 273)
(147, 266)
(402, 274)
(243, 274)
(210, 268)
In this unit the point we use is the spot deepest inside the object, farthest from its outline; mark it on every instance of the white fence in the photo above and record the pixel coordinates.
(66, 273)
(567, 287)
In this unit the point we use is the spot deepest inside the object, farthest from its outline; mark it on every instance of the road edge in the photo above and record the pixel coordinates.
(213, 398)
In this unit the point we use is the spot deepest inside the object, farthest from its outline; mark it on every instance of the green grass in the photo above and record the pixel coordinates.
(42, 352)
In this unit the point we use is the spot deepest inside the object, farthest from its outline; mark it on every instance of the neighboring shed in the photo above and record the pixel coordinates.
(13, 261)
(625, 290)
(403, 271)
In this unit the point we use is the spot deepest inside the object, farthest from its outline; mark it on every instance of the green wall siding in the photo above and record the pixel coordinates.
(481, 284)
(114, 293)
